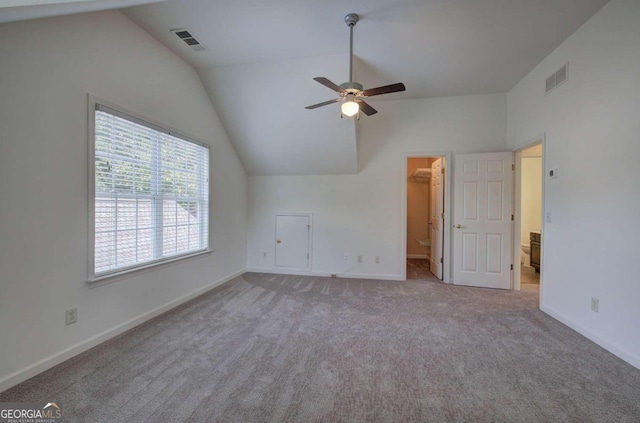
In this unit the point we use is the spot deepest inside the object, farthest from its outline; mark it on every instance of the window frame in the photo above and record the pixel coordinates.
(136, 269)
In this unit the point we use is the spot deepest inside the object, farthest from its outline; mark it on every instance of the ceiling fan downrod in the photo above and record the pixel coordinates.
(351, 20)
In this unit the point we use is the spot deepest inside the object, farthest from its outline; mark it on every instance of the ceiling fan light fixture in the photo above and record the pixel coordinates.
(350, 107)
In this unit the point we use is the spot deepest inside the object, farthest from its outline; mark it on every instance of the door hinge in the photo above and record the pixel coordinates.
(442, 168)
(513, 167)
(441, 260)
(512, 217)
(512, 267)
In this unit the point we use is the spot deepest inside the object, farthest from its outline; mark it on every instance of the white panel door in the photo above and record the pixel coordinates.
(292, 241)
(482, 220)
(437, 209)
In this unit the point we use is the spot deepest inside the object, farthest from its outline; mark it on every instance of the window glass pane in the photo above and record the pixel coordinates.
(145, 214)
(183, 239)
(151, 193)
(105, 252)
(169, 212)
(126, 247)
(169, 240)
(126, 213)
(145, 245)
(105, 214)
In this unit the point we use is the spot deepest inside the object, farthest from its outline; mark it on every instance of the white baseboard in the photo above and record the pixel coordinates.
(57, 358)
(608, 345)
(418, 256)
(323, 274)
(285, 271)
(383, 277)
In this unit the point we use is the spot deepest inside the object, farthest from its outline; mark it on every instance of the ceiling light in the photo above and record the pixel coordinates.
(350, 107)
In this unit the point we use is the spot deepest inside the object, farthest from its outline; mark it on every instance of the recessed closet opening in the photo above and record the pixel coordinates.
(425, 218)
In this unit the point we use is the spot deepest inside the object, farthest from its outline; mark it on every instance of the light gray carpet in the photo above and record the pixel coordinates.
(270, 348)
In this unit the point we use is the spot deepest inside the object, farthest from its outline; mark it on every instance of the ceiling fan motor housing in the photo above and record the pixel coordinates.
(352, 87)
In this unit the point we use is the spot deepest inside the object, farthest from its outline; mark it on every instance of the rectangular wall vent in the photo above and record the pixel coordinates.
(557, 78)
(186, 36)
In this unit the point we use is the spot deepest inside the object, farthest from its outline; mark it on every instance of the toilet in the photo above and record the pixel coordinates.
(525, 257)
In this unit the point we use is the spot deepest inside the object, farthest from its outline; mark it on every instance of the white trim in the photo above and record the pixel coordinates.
(614, 348)
(61, 356)
(448, 203)
(120, 274)
(517, 221)
(138, 270)
(324, 274)
(309, 247)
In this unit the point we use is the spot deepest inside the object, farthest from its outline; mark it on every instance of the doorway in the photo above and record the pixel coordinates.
(426, 210)
(527, 231)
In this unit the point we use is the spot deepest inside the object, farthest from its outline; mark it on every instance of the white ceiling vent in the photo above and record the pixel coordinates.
(557, 79)
(186, 36)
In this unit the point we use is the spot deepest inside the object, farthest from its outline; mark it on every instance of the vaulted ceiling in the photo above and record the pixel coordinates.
(262, 55)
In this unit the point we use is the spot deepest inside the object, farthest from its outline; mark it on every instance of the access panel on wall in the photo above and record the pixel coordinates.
(292, 243)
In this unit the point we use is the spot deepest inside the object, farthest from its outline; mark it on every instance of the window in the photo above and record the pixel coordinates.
(151, 193)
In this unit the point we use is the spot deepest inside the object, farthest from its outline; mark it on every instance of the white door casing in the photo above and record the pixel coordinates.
(482, 220)
(293, 235)
(437, 209)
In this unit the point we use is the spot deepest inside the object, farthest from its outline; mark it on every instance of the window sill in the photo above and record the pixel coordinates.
(96, 281)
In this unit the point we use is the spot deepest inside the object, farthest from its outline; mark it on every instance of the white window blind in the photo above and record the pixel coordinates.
(151, 193)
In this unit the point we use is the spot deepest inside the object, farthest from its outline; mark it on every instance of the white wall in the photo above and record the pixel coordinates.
(47, 68)
(531, 197)
(362, 214)
(591, 246)
(262, 106)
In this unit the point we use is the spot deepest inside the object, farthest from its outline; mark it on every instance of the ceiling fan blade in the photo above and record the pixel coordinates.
(325, 103)
(393, 88)
(366, 108)
(324, 81)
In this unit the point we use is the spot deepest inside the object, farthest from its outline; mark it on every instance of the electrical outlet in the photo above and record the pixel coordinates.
(595, 304)
(376, 260)
(359, 259)
(346, 256)
(71, 316)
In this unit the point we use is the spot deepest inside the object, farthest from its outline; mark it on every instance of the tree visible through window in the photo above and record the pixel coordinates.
(151, 193)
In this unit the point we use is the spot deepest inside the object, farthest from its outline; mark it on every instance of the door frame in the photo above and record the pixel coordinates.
(446, 232)
(517, 210)
(275, 235)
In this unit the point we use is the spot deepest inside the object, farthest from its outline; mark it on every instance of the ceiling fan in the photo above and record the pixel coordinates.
(352, 93)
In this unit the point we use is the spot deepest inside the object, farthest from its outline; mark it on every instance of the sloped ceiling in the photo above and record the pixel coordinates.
(263, 105)
(263, 54)
(17, 10)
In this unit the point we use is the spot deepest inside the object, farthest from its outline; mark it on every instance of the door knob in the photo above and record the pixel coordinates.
(278, 241)
(458, 226)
